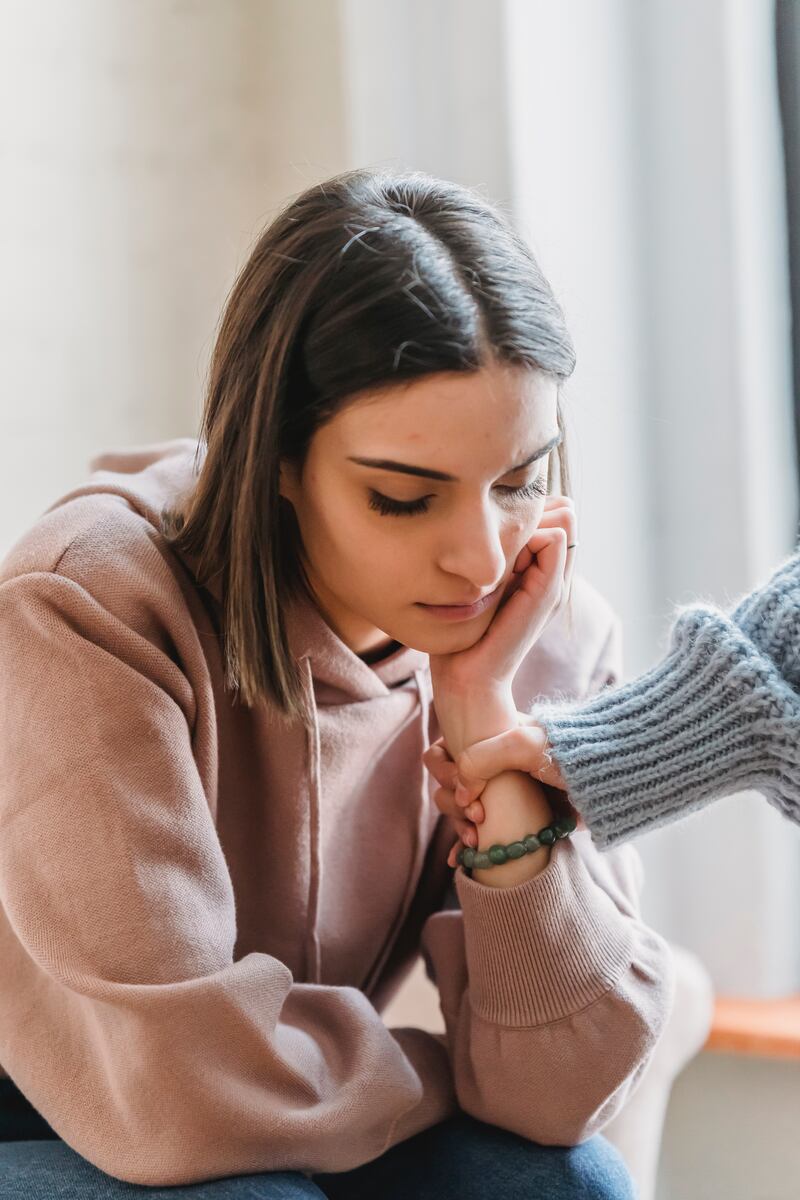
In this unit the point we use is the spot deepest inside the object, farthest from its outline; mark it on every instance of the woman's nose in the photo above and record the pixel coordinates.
(474, 550)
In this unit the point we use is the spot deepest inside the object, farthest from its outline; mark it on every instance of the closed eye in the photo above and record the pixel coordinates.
(386, 506)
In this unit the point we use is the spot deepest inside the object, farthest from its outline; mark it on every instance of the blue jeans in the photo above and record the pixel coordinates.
(460, 1158)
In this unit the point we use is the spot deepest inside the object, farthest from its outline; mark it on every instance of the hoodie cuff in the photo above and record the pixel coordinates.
(712, 718)
(540, 950)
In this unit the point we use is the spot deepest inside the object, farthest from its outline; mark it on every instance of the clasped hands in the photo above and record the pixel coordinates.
(461, 781)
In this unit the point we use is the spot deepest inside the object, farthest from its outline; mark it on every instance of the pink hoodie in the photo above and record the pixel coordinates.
(202, 914)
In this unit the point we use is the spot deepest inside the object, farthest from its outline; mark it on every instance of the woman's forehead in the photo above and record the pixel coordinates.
(456, 417)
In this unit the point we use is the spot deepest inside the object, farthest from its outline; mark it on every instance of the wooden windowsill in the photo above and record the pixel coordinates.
(764, 1028)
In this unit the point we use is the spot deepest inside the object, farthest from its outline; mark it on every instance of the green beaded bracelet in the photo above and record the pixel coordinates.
(497, 854)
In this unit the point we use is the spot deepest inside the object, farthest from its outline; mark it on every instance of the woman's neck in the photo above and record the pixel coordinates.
(376, 653)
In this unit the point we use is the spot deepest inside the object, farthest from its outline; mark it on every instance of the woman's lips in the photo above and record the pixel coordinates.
(462, 612)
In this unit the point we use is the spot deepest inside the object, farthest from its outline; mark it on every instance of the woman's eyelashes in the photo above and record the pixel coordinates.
(386, 506)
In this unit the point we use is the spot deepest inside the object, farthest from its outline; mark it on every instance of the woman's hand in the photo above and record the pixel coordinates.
(536, 590)
(472, 688)
(444, 771)
(461, 781)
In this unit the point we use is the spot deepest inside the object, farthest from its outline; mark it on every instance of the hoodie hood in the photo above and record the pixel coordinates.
(158, 476)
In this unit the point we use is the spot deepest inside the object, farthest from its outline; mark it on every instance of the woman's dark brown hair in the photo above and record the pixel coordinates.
(366, 280)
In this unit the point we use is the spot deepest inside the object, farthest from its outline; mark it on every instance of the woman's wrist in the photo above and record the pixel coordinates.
(515, 805)
(472, 715)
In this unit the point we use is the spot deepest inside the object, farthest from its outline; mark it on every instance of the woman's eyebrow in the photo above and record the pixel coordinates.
(388, 464)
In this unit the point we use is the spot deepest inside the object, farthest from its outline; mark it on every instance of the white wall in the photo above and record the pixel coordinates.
(144, 145)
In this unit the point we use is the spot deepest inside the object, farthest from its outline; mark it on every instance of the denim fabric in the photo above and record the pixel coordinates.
(459, 1159)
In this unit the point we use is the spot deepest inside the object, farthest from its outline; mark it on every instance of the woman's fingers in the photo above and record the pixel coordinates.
(444, 771)
(559, 513)
(524, 748)
(475, 811)
(467, 833)
(464, 820)
(440, 764)
(562, 513)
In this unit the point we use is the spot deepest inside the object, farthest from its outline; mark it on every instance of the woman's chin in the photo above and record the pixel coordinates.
(446, 637)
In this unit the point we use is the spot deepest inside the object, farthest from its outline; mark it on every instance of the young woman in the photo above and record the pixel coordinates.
(221, 663)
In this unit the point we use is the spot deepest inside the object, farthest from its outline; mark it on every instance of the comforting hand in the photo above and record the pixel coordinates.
(461, 781)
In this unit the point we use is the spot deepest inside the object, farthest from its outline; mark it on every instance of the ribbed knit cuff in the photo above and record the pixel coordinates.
(770, 617)
(713, 717)
(542, 949)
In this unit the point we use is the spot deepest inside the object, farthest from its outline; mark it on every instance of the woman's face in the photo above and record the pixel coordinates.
(373, 571)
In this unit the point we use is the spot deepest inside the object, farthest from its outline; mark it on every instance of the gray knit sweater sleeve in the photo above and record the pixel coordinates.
(718, 714)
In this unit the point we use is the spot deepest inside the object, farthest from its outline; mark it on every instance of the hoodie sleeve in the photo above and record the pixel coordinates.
(124, 1017)
(554, 991)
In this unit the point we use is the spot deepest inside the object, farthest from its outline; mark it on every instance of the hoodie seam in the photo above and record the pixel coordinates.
(56, 568)
(421, 717)
(313, 959)
(87, 533)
